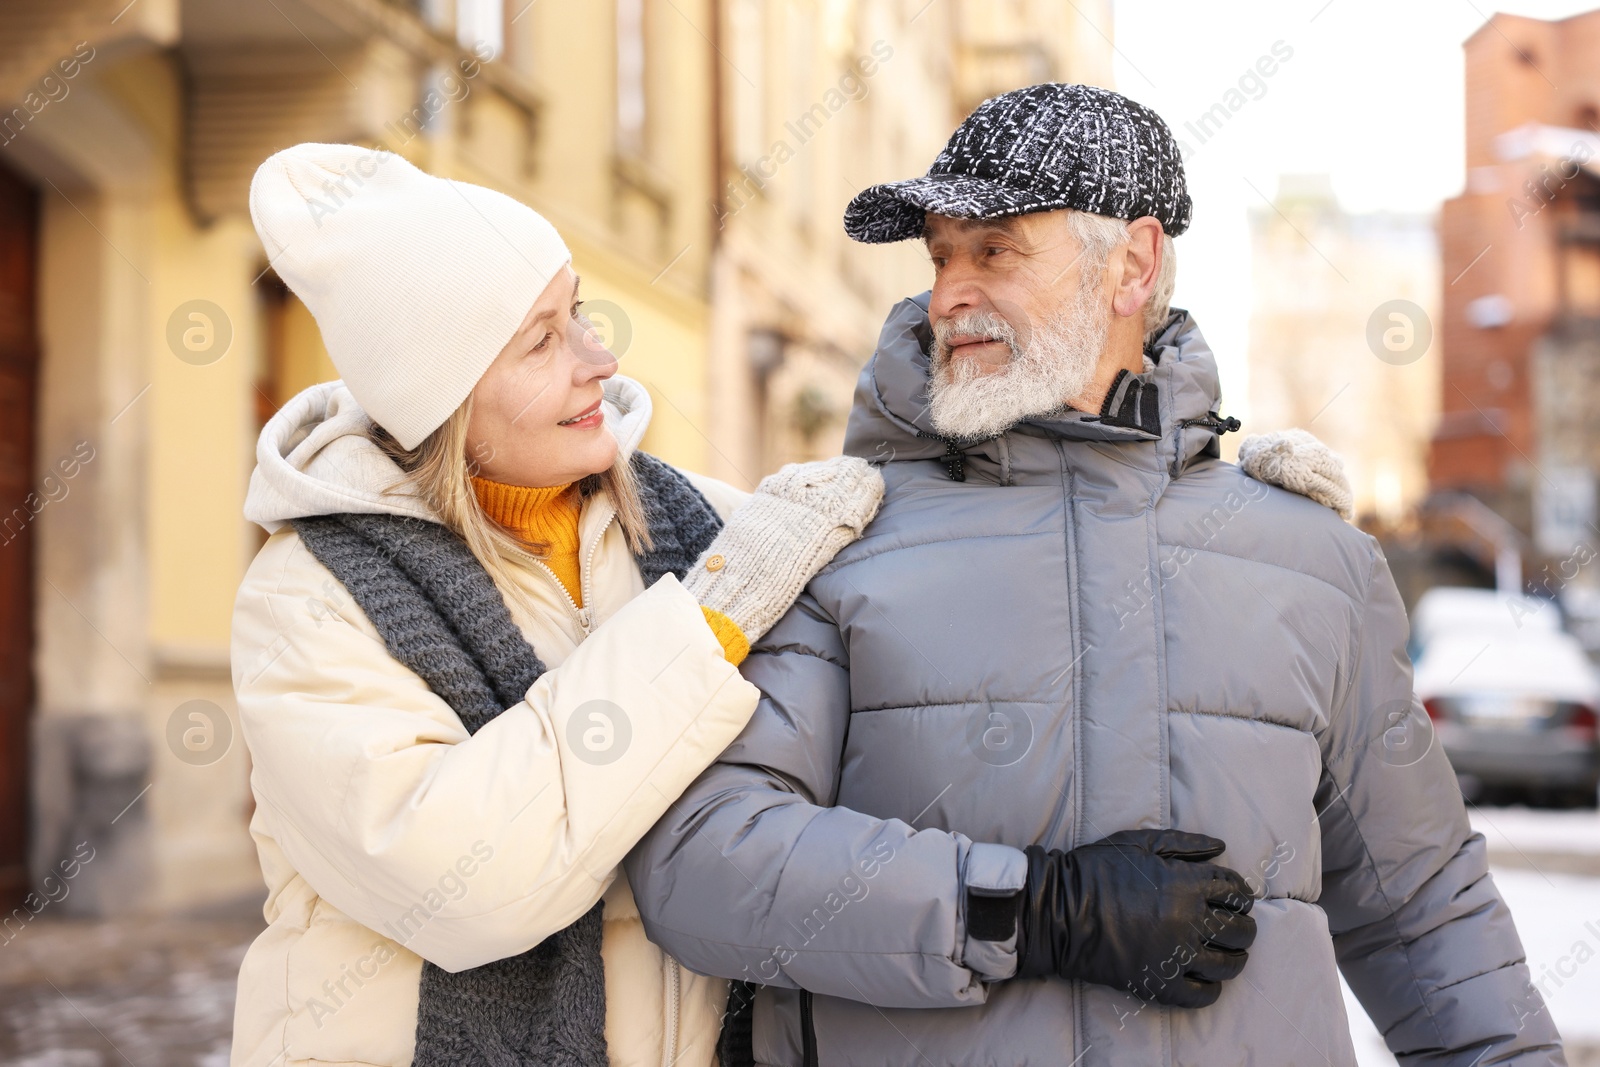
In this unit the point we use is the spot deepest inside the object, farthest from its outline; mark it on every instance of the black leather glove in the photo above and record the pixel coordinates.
(1142, 911)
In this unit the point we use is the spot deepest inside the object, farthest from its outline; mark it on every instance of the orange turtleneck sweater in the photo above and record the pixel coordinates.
(549, 516)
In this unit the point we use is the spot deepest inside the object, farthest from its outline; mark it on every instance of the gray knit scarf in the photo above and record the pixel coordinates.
(441, 615)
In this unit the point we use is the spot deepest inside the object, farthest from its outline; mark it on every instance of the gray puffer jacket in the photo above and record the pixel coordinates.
(1101, 627)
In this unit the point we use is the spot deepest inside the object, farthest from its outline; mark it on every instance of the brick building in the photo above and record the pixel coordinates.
(1520, 310)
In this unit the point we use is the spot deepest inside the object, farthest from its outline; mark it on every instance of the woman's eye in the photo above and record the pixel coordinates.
(993, 251)
(543, 342)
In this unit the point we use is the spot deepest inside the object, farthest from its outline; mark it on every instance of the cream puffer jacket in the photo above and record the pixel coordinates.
(388, 835)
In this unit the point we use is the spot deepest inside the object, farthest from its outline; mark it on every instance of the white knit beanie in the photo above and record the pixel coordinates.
(417, 282)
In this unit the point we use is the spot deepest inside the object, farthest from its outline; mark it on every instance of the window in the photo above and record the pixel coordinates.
(1580, 270)
(473, 22)
(631, 112)
(481, 22)
(802, 60)
(746, 52)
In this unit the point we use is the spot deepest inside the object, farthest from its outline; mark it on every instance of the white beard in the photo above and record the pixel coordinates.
(1045, 370)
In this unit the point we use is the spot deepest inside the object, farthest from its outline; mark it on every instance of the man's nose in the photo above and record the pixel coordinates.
(954, 291)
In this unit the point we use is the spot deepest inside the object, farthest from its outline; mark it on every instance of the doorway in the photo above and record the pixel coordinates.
(19, 378)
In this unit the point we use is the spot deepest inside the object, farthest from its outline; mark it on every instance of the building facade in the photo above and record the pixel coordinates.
(1318, 276)
(696, 155)
(823, 98)
(1520, 315)
(146, 339)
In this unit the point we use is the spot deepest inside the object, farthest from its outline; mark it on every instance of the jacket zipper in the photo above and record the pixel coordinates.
(671, 996)
(580, 614)
(1070, 511)
(586, 571)
(808, 1031)
(583, 615)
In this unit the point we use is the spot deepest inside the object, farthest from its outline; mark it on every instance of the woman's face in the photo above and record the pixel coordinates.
(536, 416)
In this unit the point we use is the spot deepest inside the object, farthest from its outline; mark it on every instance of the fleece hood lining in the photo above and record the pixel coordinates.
(314, 457)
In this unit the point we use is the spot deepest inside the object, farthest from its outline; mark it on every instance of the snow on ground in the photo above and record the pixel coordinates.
(1370, 1049)
(1558, 916)
(1535, 831)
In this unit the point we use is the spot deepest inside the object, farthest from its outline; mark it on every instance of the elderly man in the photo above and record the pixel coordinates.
(1006, 734)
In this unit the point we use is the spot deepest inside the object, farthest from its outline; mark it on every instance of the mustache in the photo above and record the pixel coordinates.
(988, 324)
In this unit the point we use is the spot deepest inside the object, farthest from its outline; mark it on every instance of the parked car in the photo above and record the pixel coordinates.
(1512, 707)
(1582, 607)
(1449, 609)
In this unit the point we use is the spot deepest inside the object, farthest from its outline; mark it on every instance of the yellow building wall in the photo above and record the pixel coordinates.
(192, 417)
(196, 414)
(305, 358)
(186, 442)
(196, 405)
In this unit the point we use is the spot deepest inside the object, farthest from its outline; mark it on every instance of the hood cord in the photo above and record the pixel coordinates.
(955, 461)
(1214, 422)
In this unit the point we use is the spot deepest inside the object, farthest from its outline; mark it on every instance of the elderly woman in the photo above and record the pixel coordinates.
(486, 645)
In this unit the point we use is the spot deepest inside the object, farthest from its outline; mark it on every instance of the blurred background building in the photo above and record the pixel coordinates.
(1307, 319)
(822, 99)
(696, 155)
(1474, 456)
(1520, 314)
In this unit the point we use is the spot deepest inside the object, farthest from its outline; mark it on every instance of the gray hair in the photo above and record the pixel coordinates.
(1099, 235)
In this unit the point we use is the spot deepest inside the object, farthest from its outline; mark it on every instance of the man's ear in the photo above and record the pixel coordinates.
(1137, 268)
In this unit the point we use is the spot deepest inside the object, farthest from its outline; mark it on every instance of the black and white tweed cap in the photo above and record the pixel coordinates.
(1041, 148)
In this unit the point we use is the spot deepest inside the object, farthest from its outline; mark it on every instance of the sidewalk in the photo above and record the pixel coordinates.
(145, 992)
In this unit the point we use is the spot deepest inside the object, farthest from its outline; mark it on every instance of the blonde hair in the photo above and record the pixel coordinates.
(1099, 234)
(440, 471)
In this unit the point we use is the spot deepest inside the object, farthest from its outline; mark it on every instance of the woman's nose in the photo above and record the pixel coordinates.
(595, 361)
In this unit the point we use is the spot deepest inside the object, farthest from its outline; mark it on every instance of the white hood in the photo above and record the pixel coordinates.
(314, 457)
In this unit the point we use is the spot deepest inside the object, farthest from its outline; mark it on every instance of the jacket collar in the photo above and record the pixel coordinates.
(1170, 405)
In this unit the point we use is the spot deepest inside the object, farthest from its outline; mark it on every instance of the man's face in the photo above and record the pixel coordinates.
(1019, 323)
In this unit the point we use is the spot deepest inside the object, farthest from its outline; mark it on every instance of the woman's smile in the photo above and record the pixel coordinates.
(586, 420)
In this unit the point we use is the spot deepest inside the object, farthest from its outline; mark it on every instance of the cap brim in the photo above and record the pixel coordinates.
(895, 211)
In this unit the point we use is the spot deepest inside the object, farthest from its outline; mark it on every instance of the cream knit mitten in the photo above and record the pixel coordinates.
(1297, 461)
(775, 542)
